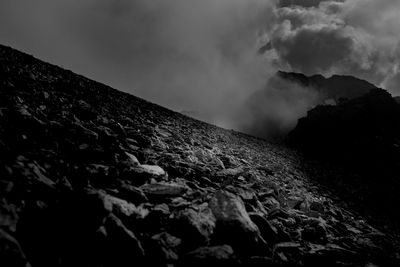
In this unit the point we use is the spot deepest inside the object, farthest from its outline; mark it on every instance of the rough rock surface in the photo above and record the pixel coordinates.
(90, 176)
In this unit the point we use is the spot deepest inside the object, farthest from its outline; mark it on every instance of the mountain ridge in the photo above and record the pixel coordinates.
(336, 87)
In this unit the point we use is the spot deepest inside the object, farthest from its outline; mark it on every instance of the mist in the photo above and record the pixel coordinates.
(274, 111)
(203, 56)
(185, 55)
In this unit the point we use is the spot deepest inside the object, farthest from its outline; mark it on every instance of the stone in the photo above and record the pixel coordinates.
(210, 256)
(132, 159)
(207, 182)
(208, 157)
(95, 205)
(158, 218)
(271, 204)
(179, 202)
(122, 245)
(315, 231)
(98, 170)
(34, 173)
(132, 193)
(153, 169)
(287, 253)
(195, 226)
(161, 191)
(229, 161)
(161, 209)
(317, 206)
(141, 174)
(257, 261)
(328, 254)
(8, 215)
(267, 230)
(163, 249)
(124, 208)
(230, 172)
(11, 253)
(84, 110)
(233, 224)
(79, 130)
(64, 185)
(294, 202)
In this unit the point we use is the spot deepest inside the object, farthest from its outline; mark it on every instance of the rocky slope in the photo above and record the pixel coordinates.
(90, 176)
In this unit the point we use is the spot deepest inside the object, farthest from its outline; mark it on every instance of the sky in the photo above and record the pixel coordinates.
(203, 56)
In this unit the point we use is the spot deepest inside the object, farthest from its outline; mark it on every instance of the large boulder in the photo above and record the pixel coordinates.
(195, 225)
(234, 226)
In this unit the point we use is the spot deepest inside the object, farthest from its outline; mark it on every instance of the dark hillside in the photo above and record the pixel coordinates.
(362, 135)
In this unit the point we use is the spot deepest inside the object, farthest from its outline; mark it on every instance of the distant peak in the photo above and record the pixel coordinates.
(334, 87)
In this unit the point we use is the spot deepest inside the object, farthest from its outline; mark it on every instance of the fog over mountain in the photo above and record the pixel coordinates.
(204, 55)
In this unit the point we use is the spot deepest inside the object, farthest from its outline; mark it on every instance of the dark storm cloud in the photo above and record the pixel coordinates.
(313, 49)
(356, 37)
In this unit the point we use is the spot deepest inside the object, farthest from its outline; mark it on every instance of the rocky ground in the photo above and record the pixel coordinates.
(90, 176)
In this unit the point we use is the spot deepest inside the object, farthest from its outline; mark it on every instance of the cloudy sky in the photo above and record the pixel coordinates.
(203, 55)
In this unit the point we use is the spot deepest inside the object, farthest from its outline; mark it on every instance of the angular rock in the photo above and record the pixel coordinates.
(179, 203)
(10, 251)
(84, 110)
(132, 159)
(287, 253)
(234, 226)
(267, 230)
(210, 256)
(161, 191)
(94, 205)
(123, 247)
(208, 157)
(140, 174)
(8, 216)
(123, 208)
(315, 231)
(330, 255)
(230, 172)
(34, 175)
(163, 249)
(159, 218)
(195, 226)
(132, 193)
(153, 169)
(97, 172)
